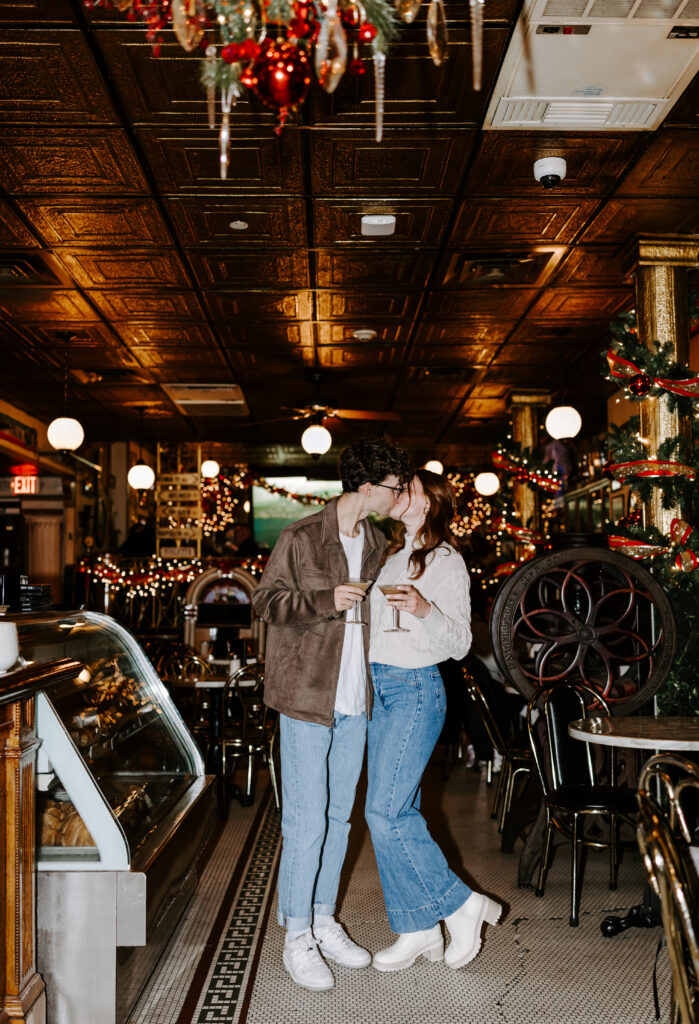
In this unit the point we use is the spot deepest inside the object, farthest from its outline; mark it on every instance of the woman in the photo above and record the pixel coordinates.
(409, 708)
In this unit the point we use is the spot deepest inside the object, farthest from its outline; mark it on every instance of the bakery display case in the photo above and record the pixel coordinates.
(123, 808)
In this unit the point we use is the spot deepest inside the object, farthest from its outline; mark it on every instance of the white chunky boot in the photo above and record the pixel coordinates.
(465, 926)
(408, 947)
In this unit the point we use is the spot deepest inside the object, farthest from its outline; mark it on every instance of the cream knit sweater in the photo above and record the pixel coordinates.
(445, 632)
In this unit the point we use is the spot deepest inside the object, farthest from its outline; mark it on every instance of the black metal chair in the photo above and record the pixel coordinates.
(249, 730)
(664, 839)
(572, 791)
(516, 761)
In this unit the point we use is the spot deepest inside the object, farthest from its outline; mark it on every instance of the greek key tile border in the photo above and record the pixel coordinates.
(226, 984)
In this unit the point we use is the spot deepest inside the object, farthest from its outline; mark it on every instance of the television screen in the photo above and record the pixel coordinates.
(272, 512)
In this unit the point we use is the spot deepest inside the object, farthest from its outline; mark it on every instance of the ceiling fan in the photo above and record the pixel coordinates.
(320, 413)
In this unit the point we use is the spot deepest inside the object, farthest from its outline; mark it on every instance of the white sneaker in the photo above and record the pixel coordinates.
(305, 964)
(465, 926)
(335, 944)
(408, 947)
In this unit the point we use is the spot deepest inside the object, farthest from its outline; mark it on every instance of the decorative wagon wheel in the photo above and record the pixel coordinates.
(585, 615)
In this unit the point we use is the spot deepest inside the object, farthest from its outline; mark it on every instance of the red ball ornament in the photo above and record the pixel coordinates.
(356, 67)
(367, 32)
(640, 384)
(231, 53)
(283, 76)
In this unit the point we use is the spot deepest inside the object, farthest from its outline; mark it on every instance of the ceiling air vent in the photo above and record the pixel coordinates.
(208, 399)
(579, 64)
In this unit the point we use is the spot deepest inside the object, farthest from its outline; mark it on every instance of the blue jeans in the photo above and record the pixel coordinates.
(320, 770)
(419, 889)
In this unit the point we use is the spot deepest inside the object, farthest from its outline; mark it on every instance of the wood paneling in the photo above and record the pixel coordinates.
(403, 161)
(68, 161)
(125, 222)
(207, 222)
(188, 161)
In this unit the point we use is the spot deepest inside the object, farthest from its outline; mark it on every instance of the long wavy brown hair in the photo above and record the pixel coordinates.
(435, 529)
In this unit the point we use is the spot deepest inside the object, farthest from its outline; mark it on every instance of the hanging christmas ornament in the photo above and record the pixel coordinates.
(186, 24)
(687, 561)
(283, 77)
(437, 35)
(210, 68)
(330, 49)
(379, 90)
(228, 96)
(680, 531)
(640, 384)
(407, 10)
(477, 7)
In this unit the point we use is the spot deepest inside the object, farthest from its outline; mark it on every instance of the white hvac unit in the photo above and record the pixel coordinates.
(596, 65)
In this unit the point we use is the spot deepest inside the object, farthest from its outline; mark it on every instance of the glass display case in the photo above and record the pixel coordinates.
(123, 806)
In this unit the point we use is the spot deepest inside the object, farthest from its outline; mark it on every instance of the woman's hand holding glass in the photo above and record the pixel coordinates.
(407, 598)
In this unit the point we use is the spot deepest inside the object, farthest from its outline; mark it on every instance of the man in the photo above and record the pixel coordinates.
(317, 677)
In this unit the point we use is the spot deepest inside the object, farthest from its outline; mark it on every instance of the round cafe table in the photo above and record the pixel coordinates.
(642, 732)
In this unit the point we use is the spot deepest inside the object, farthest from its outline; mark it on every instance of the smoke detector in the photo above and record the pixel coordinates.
(378, 224)
(364, 334)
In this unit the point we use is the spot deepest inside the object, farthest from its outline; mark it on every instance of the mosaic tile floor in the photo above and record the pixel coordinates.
(223, 965)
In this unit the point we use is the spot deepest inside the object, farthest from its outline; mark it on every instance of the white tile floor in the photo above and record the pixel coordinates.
(533, 966)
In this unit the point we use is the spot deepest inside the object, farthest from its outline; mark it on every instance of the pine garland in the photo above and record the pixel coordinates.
(680, 692)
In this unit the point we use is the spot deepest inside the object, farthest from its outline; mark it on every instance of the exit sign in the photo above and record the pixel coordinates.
(24, 484)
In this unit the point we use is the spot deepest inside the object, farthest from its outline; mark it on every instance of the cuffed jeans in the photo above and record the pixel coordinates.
(320, 771)
(419, 889)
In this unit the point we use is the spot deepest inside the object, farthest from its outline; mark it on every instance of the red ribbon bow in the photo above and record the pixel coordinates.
(625, 369)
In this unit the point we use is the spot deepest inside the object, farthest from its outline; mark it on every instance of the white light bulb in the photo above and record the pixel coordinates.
(487, 483)
(210, 468)
(65, 434)
(563, 421)
(316, 440)
(434, 466)
(141, 477)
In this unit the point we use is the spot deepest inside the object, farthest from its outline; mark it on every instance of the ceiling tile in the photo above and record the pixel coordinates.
(255, 269)
(379, 268)
(512, 223)
(337, 222)
(82, 221)
(206, 221)
(93, 268)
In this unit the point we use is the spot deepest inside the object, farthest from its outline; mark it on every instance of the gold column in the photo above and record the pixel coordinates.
(660, 269)
(524, 407)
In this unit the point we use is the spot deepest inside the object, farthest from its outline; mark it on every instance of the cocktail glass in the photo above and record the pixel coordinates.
(387, 589)
(355, 618)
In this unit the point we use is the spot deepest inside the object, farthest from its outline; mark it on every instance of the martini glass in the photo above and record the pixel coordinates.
(355, 618)
(387, 589)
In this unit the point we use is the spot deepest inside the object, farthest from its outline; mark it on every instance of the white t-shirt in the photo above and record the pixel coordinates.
(351, 685)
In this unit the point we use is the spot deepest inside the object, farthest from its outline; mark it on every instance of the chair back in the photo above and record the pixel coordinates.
(673, 877)
(560, 759)
(489, 721)
(244, 710)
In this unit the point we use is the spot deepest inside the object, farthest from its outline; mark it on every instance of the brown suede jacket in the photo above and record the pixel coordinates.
(296, 599)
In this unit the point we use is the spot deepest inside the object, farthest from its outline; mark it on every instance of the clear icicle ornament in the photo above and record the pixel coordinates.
(379, 91)
(437, 34)
(188, 32)
(211, 86)
(330, 50)
(228, 96)
(407, 10)
(477, 7)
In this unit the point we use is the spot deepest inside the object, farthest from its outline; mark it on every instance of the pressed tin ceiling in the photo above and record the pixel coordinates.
(114, 224)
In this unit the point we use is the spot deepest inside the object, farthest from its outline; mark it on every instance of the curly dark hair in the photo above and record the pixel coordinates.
(371, 461)
(435, 529)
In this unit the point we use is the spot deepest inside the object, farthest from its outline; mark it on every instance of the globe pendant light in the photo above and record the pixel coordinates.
(563, 421)
(487, 484)
(210, 468)
(141, 477)
(316, 440)
(65, 433)
(434, 466)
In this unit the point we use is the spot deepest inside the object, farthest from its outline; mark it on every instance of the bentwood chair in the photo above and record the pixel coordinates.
(674, 879)
(248, 730)
(572, 791)
(516, 761)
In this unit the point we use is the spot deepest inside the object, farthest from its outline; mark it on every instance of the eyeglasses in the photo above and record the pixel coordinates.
(396, 490)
